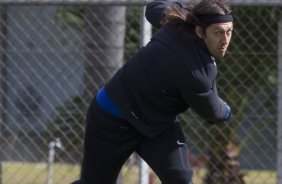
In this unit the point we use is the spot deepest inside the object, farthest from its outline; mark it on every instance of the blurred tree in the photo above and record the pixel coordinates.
(132, 38)
(104, 29)
(104, 39)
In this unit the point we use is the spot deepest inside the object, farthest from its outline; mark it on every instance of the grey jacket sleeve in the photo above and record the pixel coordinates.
(154, 10)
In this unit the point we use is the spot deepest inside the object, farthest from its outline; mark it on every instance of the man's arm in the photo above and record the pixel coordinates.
(208, 105)
(154, 10)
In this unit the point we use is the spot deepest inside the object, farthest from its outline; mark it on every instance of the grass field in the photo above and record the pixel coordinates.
(252, 177)
(27, 173)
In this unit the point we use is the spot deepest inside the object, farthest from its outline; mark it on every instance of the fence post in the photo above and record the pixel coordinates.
(51, 157)
(2, 92)
(279, 109)
(146, 34)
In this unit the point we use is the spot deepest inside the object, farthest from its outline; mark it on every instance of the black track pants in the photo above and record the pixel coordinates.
(109, 141)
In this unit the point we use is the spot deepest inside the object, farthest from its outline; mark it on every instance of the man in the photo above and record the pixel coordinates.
(136, 111)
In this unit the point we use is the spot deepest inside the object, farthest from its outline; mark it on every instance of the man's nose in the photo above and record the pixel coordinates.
(225, 38)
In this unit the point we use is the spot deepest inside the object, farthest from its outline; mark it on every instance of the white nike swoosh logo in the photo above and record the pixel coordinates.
(180, 143)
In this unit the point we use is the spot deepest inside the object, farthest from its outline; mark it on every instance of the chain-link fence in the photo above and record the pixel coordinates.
(53, 58)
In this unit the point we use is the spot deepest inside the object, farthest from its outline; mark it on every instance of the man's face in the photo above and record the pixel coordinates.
(217, 38)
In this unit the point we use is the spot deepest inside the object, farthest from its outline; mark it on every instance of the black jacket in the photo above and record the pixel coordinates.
(173, 72)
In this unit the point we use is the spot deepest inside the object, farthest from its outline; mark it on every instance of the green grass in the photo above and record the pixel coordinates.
(251, 177)
(261, 177)
(29, 173)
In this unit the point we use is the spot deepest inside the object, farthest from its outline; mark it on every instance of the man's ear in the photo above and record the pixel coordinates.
(199, 31)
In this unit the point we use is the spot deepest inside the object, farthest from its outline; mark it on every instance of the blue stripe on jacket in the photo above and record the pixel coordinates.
(107, 104)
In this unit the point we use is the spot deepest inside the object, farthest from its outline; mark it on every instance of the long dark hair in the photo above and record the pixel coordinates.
(176, 15)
